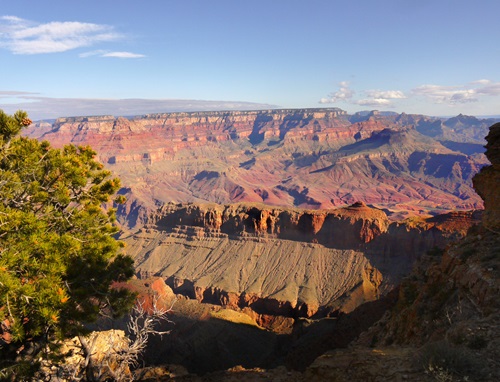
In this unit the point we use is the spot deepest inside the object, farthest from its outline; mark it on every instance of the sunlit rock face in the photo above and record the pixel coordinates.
(307, 158)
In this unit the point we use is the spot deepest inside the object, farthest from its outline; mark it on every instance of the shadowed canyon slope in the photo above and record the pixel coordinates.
(312, 158)
(285, 262)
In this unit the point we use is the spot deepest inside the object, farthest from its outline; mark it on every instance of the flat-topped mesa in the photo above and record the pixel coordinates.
(99, 124)
(159, 136)
(174, 119)
(305, 113)
(96, 118)
(76, 124)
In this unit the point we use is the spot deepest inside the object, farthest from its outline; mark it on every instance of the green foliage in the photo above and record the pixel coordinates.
(12, 125)
(58, 255)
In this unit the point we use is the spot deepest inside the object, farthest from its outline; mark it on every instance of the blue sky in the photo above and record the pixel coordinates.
(123, 57)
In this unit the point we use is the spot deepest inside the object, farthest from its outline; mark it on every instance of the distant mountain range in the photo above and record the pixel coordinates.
(308, 158)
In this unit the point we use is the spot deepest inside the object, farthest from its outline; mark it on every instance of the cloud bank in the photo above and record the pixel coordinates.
(459, 94)
(438, 94)
(446, 94)
(25, 37)
(14, 93)
(40, 108)
(371, 97)
(343, 94)
(105, 53)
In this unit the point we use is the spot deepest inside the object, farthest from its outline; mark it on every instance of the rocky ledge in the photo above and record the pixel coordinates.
(285, 262)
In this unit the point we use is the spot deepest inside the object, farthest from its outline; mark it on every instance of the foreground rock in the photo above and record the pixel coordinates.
(487, 181)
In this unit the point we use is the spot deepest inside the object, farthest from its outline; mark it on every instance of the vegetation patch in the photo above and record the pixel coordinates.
(449, 363)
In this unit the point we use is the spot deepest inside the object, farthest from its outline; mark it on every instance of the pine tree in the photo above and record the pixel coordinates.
(58, 254)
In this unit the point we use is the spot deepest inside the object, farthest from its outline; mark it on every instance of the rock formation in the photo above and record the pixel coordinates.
(285, 262)
(487, 181)
(445, 324)
(308, 158)
(277, 264)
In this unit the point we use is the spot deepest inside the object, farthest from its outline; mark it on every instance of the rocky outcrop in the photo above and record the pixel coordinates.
(347, 227)
(351, 227)
(100, 357)
(487, 181)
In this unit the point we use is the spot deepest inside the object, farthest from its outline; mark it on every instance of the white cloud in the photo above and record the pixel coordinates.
(385, 94)
(493, 89)
(343, 94)
(438, 94)
(374, 102)
(463, 96)
(25, 37)
(481, 82)
(458, 94)
(13, 19)
(99, 52)
(373, 97)
(123, 55)
(105, 53)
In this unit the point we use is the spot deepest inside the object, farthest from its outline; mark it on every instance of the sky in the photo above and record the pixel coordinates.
(63, 58)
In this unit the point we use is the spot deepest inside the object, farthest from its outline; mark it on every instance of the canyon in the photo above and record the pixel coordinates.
(289, 212)
(441, 323)
(306, 158)
(288, 229)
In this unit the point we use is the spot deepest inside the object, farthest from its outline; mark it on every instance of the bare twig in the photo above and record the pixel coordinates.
(121, 355)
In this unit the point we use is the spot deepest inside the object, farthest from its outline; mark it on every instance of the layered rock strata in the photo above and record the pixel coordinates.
(307, 158)
(445, 324)
(281, 262)
(144, 138)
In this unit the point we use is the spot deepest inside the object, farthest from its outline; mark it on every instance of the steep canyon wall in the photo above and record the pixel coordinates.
(294, 263)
